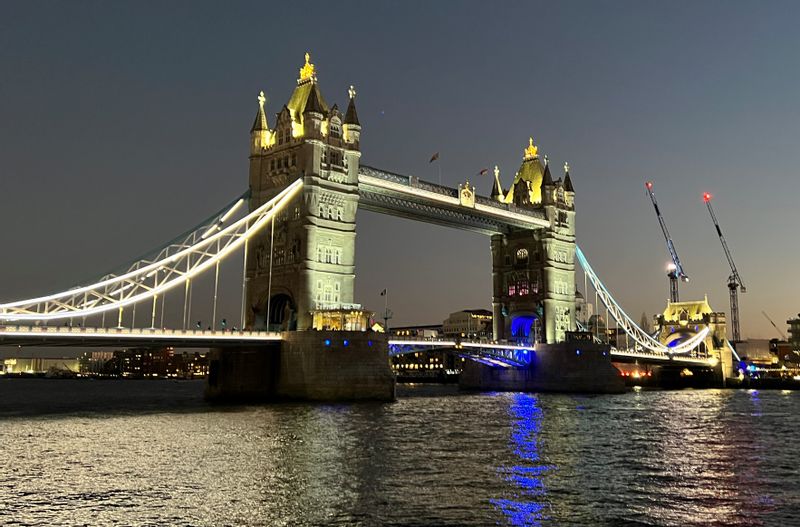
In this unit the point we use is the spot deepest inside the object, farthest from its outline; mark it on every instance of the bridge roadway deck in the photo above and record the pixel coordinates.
(411, 197)
(145, 337)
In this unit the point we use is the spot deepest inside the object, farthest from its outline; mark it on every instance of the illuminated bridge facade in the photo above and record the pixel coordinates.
(296, 226)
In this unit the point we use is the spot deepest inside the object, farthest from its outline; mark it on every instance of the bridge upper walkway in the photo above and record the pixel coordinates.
(411, 197)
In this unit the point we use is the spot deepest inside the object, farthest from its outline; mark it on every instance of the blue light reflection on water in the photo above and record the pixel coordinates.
(528, 506)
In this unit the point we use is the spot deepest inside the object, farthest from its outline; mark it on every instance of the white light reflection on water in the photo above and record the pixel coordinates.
(152, 453)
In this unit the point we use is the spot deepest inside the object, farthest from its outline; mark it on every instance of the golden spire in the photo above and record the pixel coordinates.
(352, 92)
(261, 99)
(566, 167)
(307, 71)
(531, 151)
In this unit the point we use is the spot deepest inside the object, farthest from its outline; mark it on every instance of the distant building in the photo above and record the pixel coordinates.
(756, 351)
(429, 365)
(430, 331)
(794, 332)
(40, 365)
(469, 323)
(140, 363)
(95, 362)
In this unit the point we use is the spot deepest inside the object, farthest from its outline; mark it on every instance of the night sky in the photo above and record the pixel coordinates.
(122, 125)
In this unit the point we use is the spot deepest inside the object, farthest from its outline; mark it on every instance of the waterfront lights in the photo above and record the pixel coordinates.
(346, 343)
(577, 352)
(327, 342)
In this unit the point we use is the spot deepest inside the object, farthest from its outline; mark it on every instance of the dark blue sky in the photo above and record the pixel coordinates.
(123, 124)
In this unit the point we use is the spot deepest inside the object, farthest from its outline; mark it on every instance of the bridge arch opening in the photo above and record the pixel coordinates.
(282, 314)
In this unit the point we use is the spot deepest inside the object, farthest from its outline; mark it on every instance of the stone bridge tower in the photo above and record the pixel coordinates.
(311, 267)
(534, 270)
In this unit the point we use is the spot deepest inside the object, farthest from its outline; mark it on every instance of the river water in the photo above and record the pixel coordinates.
(153, 453)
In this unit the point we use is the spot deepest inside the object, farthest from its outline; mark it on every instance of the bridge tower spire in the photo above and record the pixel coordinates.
(306, 264)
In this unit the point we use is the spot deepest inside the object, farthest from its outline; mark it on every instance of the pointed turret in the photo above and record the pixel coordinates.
(314, 101)
(260, 123)
(260, 133)
(497, 188)
(351, 117)
(547, 179)
(567, 181)
(352, 128)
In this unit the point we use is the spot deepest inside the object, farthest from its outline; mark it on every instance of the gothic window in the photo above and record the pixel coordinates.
(339, 213)
(294, 160)
(337, 255)
(321, 210)
(512, 289)
(522, 256)
(296, 213)
(328, 294)
(335, 131)
(328, 256)
(522, 287)
(319, 253)
(330, 212)
(508, 260)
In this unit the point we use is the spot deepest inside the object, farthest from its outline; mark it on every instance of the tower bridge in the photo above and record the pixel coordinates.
(306, 184)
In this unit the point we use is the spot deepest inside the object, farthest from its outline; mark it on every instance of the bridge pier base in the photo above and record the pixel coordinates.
(565, 367)
(306, 365)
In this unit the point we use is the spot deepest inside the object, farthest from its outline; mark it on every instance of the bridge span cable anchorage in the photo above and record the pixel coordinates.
(202, 248)
(640, 336)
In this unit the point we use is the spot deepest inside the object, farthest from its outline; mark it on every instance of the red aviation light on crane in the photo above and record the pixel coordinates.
(649, 185)
(706, 197)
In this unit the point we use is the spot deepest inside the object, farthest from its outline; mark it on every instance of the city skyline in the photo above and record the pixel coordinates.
(100, 138)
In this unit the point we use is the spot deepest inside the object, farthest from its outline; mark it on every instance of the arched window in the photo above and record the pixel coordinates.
(522, 256)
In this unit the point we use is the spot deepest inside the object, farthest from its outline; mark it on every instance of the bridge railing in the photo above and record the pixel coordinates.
(18, 330)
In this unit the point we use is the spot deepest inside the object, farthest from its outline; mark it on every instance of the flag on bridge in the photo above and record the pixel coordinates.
(383, 293)
(434, 157)
(483, 172)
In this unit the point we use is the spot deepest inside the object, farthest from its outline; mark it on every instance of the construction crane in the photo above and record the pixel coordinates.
(675, 269)
(781, 333)
(734, 280)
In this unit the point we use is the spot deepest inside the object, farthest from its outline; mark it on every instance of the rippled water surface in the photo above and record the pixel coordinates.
(152, 453)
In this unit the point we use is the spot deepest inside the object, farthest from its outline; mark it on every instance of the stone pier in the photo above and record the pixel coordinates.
(581, 367)
(306, 365)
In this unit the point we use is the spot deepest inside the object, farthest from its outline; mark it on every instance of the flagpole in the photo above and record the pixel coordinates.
(439, 166)
(386, 310)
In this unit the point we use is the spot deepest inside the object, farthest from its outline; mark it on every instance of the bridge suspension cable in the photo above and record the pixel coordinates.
(173, 265)
(640, 336)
